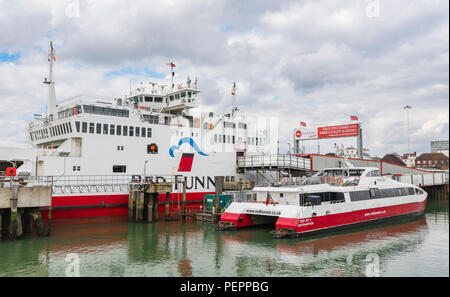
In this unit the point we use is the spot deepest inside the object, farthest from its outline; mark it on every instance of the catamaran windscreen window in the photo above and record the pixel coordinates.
(158, 99)
(356, 172)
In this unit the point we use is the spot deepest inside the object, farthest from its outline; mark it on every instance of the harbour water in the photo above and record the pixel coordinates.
(115, 247)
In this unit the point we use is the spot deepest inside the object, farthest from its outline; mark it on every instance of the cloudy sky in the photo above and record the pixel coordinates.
(312, 61)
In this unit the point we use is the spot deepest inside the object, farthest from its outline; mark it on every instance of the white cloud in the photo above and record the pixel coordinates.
(319, 61)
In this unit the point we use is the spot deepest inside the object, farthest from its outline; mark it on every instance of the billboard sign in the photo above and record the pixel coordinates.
(306, 133)
(311, 133)
(338, 131)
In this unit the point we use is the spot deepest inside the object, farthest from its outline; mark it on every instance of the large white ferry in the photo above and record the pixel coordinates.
(156, 130)
(331, 198)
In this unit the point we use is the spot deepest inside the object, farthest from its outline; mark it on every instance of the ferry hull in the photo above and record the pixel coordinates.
(348, 219)
(312, 225)
(91, 206)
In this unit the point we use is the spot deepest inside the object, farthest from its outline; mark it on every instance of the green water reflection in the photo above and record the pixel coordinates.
(114, 247)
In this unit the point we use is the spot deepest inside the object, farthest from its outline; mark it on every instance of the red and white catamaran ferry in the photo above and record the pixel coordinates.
(331, 198)
(92, 148)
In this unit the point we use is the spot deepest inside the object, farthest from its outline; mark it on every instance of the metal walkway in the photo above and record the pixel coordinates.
(274, 162)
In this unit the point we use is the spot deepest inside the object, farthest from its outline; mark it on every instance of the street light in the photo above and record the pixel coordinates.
(408, 107)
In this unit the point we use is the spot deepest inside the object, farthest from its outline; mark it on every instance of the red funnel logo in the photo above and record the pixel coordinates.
(186, 162)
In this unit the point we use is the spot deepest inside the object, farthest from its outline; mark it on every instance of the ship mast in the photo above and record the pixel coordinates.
(51, 101)
(233, 93)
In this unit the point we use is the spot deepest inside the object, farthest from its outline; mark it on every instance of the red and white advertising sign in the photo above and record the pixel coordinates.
(338, 131)
(326, 132)
(306, 133)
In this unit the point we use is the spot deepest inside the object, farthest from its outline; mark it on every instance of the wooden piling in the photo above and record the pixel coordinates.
(183, 210)
(150, 209)
(155, 206)
(167, 205)
(13, 214)
(38, 222)
(27, 221)
(131, 203)
(139, 206)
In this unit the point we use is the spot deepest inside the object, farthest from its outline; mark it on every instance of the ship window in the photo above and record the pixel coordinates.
(84, 127)
(418, 191)
(131, 132)
(125, 130)
(228, 139)
(119, 168)
(242, 125)
(148, 99)
(91, 127)
(143, 132)
(105, 128)
(112, 129)
(76, 168)
(215, 137)
(356, 172)
(70, 127)
(158, 99)
(119, 130)
(410, 191)
(171, 98)
(64, 129)
(183, 94)
(149, 132)
(99, 128)
(138, 130)
(359, 195)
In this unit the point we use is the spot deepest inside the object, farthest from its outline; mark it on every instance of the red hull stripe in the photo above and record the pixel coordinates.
(87, 206)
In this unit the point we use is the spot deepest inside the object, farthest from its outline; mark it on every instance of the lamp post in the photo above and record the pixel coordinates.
(408, 107)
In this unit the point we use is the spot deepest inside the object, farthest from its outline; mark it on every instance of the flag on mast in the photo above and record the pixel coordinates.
(353, 118)
(302, 124)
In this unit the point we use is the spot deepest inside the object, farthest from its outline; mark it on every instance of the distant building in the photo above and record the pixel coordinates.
(439, 145)
(432, 160)
(393, 159)
(409, 159)
(352, 152)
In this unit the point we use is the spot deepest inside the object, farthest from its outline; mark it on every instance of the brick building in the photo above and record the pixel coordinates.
(432, 160)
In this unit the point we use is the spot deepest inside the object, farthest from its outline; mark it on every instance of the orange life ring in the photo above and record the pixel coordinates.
(340, 180)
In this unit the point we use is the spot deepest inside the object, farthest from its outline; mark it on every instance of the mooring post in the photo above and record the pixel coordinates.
(183, 211)
(167, 205)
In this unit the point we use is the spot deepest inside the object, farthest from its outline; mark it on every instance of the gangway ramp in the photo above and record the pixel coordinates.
(276, 162)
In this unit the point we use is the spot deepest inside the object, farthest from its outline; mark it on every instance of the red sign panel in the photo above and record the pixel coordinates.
(298, 134)
(338, 131)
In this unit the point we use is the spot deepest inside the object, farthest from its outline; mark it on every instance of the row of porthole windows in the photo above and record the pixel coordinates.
(64, 128)
(110, 129)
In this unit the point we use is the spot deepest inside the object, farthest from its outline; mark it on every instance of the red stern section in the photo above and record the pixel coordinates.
(238, 219)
